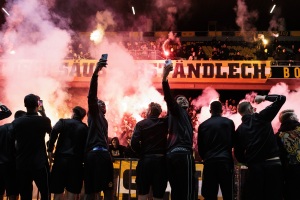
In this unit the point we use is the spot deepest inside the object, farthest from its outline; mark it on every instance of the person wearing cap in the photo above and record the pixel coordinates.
(67, 170)
(255, 145)
(215, 142)
(29, 132)
(8, 182)
(288, 139)
(180, 160)
(4, 112)
(98, 165)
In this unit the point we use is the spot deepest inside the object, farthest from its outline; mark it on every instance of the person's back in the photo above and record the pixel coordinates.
(215, 141)
(72, 138)
(7, 144)
(256, 134)
(8, 182)
(255, 145)
(149, 140)
(30, 131)
(67, 170)
(154, 136)
(31, 158)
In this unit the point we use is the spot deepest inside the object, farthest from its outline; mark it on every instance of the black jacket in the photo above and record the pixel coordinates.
(5, 112)
(29, 132)
(254, 138)
(72, 138)
(180, 126)
(98, 126)
(150, 136)
(7, 144)
(215, 139)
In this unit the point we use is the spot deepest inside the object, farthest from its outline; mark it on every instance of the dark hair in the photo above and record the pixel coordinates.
(154, 109)
(117, 140)
(285, 115)
(101, 102)
(180, 95)
(216, 107)
(79, 112)
(31, 101)
(19, 113)
(243, 107)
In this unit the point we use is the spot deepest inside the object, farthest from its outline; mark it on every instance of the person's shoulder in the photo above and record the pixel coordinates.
(5, 126)
(143, 121)
(227, 119)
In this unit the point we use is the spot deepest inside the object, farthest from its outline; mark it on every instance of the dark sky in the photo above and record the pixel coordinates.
(196, 18)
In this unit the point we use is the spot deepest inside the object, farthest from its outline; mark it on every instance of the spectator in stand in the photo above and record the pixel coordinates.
(215, 54)
(67, 171)
(297, 56)
(201, 54)
(8, 181)
(31, 157)
(277, 52)
(190, 52)
(116, 151)
(288, 138)
(215, 142)
(284, 55)
(149, 140)
(255, 145)
(98, 164)
(238, 56)
(5, 112)
(183, 52)
(224, 52)
(193, 56)
(70, 54)
(180, 160)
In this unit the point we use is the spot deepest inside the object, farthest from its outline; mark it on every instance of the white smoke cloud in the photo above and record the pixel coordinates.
(170, 10)
(127, 86)
(39, 48)
(210, 94)
(245, 20)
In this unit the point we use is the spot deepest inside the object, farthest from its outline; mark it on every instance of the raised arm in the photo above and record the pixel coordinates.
(5, 112)
(171, 104)
(92, 96)
(270, 112)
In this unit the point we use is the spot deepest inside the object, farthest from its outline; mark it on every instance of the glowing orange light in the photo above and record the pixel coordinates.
(97, 35)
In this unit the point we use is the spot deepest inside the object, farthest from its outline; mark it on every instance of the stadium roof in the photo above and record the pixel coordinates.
(181, 15)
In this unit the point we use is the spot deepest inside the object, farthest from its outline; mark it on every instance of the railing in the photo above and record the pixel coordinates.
(125, 174)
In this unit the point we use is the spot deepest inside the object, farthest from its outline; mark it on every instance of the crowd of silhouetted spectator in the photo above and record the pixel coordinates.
(199, 50)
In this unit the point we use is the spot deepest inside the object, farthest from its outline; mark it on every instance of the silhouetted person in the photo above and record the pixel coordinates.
(215, 142)
(256, 146)
(8, 182)
(31, 156)
(67, 170)
(98, 164)
(288, 138)
(180, 160)
(149, 139)
(116, 150)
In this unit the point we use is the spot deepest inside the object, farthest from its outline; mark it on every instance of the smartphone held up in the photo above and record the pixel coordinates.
(168, 62)
(103, 59)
